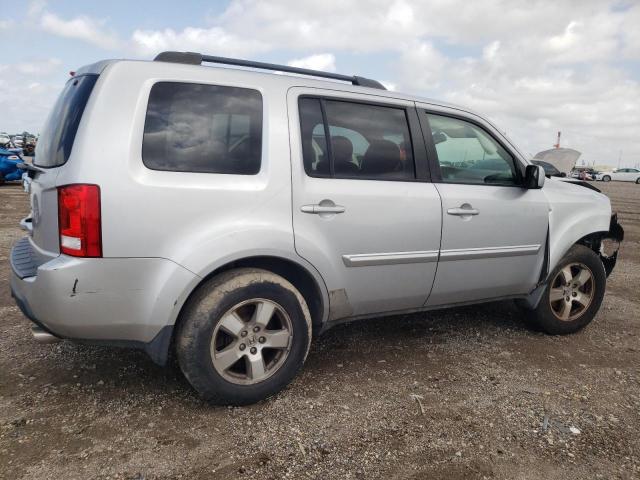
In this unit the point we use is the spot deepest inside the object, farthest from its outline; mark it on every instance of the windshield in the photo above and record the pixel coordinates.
(60, 128)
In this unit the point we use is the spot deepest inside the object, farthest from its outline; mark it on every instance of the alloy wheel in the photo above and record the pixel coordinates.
(571, 292)
(251, 341)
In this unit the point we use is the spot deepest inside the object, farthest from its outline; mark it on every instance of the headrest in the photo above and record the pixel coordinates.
(342, 149)
(382, 156)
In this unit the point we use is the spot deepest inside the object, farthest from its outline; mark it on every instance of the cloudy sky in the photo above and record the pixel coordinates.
(534, 67)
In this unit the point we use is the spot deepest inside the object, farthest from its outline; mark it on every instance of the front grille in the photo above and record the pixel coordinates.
(23, 259)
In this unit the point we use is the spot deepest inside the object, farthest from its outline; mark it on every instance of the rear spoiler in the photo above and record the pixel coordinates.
(30, 168)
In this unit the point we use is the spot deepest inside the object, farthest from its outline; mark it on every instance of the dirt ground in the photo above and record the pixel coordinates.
(461, 393)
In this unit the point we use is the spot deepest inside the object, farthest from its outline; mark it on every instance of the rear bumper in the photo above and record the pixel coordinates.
(121, 301)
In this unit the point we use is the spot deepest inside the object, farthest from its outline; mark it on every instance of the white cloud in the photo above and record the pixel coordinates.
(81, 28)
(27, 91)
(534, 66)
(5, 24)
(321, 61)
(206, 40)
(43, 67)
(36, 7)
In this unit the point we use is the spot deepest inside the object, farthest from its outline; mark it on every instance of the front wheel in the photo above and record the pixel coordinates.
(606, 178)
(638, 181)
(573, 293)
(243, 336)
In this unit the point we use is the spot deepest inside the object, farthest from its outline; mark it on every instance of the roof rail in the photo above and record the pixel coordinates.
(192, 58)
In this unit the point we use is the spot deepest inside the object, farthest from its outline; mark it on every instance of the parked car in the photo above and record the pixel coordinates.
(29, 147)
(620, 175)
(5, 140)
(549, 170)
(583, 174)
(17, 141)
(242, 212)
(9, 170)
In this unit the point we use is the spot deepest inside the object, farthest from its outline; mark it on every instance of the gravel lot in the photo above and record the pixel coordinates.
(459, 393)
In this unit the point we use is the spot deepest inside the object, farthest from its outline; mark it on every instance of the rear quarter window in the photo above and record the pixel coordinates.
(59, 132)
(203, 128)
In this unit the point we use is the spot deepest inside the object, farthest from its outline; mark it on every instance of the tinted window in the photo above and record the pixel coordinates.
(59, 132)
(357, 141)
(468, 154)
(203, 128)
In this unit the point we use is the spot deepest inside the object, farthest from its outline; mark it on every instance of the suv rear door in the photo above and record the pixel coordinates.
(493, 230)
(363, 212)
(52, 152)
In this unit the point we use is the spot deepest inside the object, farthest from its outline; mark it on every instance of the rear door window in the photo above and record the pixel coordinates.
(203, 128)
(342, 139)
(59, 132)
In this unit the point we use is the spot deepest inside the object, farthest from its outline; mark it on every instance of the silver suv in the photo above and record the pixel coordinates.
(228, 214)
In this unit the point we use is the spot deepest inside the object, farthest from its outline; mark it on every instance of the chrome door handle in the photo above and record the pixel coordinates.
(462, 211)
(317, 208)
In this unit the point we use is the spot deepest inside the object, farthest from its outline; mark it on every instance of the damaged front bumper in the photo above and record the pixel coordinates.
(610, 244)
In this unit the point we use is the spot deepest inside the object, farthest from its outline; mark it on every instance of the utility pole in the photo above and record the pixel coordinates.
(620, 159)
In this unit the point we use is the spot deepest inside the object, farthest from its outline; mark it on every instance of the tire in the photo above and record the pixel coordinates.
(638, 181)
(547, 315)
(231, 302)
(1, 179)
(606, 178)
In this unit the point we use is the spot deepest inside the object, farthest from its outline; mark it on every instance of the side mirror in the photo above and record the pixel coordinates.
(533, 176)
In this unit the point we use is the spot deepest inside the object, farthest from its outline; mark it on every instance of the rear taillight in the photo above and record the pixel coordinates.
(79, 220)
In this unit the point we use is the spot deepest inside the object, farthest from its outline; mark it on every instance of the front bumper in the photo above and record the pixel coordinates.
(609, 253)
(122, 301)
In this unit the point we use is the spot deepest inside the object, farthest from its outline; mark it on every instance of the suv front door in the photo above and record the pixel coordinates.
(363, 213)
(493, 230)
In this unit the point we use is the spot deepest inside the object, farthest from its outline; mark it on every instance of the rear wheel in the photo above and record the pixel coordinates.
(573, 294)
(606, 178)
(243, 336)
(638, 180)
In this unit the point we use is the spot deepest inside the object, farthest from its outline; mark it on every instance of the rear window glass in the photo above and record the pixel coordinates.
(203, 128)
(59, 132)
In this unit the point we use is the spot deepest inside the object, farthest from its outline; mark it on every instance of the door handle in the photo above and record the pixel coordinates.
(318, 209)
(325, 208)
(463, 211)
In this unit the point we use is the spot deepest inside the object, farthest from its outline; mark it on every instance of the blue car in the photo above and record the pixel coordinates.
(9, 170)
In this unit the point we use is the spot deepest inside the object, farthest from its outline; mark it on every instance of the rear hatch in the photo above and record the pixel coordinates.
(52, 152)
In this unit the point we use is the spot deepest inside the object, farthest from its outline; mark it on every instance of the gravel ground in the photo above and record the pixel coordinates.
(459, 393)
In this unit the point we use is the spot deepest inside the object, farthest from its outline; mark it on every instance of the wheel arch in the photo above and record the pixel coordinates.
(310, 285)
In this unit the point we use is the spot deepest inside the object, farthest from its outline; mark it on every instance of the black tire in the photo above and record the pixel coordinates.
(206, 308)
(606, 178)
(638, 181)
(1, 179)
(543, 315)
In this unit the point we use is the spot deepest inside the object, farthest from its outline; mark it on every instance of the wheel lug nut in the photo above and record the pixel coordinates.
(262, 339)
(253, 350)
(575, 294)
(242, 346)
(256, 329)
(568, 298)
(243, 333)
